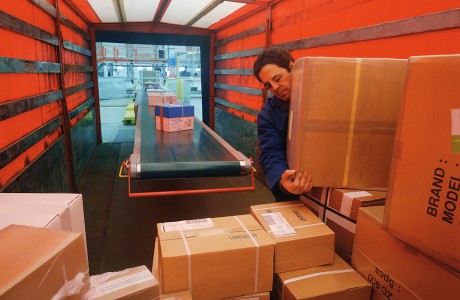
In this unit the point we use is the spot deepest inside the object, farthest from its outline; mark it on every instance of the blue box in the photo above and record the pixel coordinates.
(174, 110)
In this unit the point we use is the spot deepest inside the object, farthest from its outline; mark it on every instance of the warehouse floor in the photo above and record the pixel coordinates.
(120, 230)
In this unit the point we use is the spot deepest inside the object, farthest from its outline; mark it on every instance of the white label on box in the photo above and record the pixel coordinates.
(278, 224)
(347, 201)
(187, 224)
(118, 284)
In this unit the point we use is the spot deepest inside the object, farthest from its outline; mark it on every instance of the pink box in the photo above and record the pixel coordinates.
(173, 124)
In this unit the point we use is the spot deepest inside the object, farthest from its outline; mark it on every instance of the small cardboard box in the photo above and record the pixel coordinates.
(171, 118)
(170, 98)
(342, 122)
(41, 263)
(347, 202)
(155, 97)
(56, 211)
(215, 257)
(422, 205)
(301, 239)
(395, 269)
(136, 283)
(328, 282)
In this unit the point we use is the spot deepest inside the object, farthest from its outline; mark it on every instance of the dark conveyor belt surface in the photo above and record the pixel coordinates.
(184, 154)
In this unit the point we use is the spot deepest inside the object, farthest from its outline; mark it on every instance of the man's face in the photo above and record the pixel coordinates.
(277, 80)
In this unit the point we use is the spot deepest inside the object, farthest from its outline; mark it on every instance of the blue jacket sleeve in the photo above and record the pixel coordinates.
(272, 133)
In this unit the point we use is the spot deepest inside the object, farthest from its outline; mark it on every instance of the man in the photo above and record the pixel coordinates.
(273, 68)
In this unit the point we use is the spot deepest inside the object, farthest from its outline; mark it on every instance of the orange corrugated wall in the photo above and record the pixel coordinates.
(299, 19)
(17, 86)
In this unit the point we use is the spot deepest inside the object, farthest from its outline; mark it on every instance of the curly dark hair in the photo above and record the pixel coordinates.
(273, 55)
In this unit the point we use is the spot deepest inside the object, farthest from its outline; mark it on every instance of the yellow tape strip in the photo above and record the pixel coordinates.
(352, 122)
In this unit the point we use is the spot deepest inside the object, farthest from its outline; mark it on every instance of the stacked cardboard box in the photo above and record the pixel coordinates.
(171, 118)
(306, 266)
(338, 209)
(42, 263)
(423, 193)
(55, 211)
(395, 269)
(301, 239)
(329, 282)
(343, 114)
(214, 258)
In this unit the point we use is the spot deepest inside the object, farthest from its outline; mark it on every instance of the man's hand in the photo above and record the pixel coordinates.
(296, 182)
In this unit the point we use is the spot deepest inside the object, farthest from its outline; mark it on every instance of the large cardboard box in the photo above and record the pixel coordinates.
(395, 269)
(215, 257)
(337, 281)
(136, 283)
(423, 194)
(56, 211)
(347, 202)
(41, 263)
(343, 114)
(302, 240)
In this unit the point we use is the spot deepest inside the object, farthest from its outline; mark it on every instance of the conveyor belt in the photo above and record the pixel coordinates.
(200, 152)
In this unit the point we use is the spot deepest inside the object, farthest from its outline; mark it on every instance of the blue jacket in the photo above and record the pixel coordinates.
(272, 125)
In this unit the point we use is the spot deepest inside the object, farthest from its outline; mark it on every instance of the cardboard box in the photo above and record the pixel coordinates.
(422, 203)
(344, 229)
(42, 263)
(215, 257)
(55, 211)
(347, 202)
(155, 97)
(319, 194)
(136, 283)
(302, 240)
(172, 118)
(395, 269)
(170, 98)
(337, 281)
(182, 295)
(316, 207)
(343, 114)
(159, 97)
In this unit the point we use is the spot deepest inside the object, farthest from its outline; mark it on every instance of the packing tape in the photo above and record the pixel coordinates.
(352, 122)
(347, 201)
(256, 280)
(189, 260)
(314, 275)
(302, 226)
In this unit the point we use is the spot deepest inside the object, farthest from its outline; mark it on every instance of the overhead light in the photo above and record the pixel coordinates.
(120, 68)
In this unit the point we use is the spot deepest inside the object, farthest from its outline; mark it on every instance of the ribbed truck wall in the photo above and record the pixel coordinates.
(345, 28)
(44, 94)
